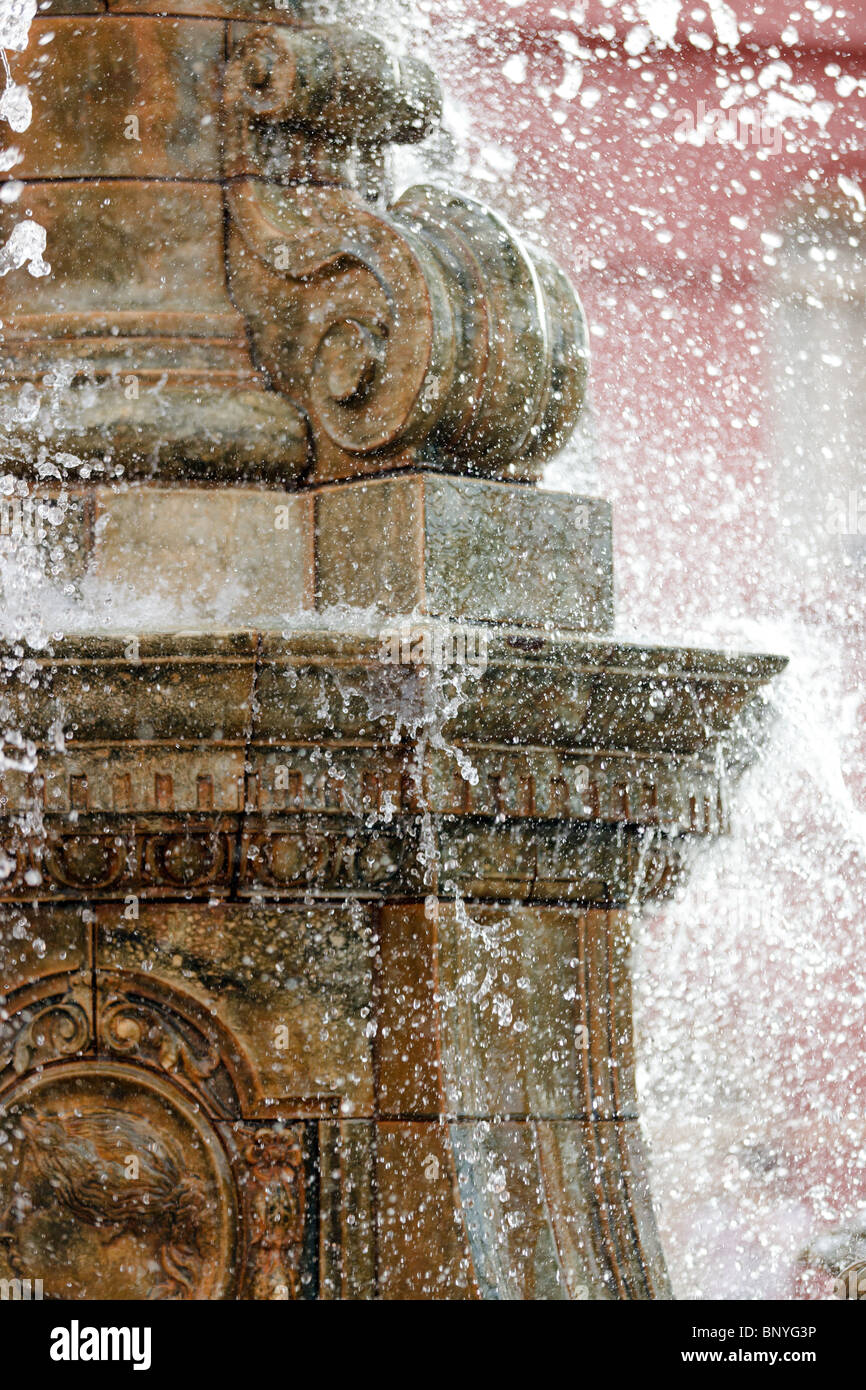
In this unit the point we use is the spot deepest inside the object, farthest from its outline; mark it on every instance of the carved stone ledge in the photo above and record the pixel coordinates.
(333, 858)
(267, 767)
(369, 780)
(549, 689)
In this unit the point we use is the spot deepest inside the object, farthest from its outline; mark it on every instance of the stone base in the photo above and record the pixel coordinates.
(357, 1009)
(286, 1055)
(427, 543)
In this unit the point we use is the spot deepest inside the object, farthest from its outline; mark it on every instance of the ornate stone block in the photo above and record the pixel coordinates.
(339, 334)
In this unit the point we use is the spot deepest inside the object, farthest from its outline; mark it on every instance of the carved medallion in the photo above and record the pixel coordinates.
(113, 1185)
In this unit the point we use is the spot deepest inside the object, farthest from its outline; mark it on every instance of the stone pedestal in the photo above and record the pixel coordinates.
(430, 544)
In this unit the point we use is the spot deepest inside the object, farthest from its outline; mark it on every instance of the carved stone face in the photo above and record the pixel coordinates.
(113, 1187)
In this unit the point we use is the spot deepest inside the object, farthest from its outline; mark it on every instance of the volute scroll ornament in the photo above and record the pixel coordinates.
(421, 333)
(56, 1027)
(263, 314)
(424, 334)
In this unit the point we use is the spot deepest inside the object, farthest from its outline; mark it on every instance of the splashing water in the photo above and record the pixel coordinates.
(749, 990)
(24, 247)
(751, 984)
(16, 16)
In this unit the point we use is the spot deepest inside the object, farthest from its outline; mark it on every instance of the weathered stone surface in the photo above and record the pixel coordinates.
(139, 379)
(41, 950)
(419, 1213)
(511, 1209)
(504, 1011)
(88, 79)
(293, 983)
(323, 339)
(243, 554)
(286, 12)
(460, 548)
(59, 7)
(347, 1184)
(452, 548)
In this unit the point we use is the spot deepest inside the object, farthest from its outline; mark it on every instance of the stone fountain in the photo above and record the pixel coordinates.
(318, 875)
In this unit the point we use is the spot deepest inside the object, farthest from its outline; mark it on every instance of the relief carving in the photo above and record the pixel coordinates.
(323, 860)
(86, 861)
(87, 1162)
(275, 1204)
(144, 1022)
(134, 1028)
(332, 855)
(425, 331)
(115, 1183)
(299, 102)
(186, 859)
(114, 1186)
(59, 1028)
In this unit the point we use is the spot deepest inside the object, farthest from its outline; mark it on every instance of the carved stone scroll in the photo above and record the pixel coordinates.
(427, 333)
(326, 336)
